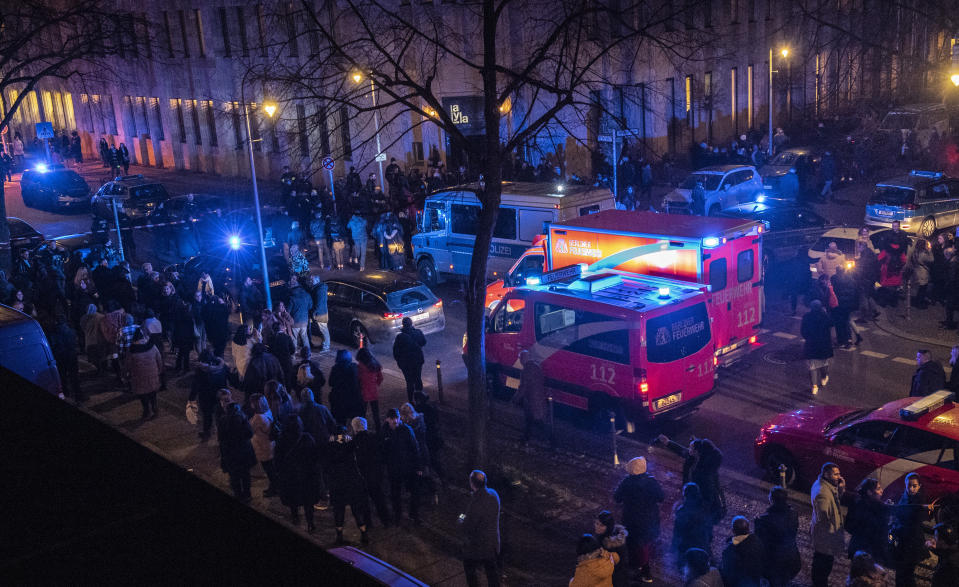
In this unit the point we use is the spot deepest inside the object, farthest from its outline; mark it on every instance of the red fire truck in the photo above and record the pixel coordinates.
(609, 340)
(723, 253)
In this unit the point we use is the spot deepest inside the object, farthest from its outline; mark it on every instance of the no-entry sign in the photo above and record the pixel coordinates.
(328, 163)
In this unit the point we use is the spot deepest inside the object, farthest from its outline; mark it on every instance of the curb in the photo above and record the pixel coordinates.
(883, 324)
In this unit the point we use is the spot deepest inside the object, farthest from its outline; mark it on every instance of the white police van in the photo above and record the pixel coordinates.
(444, 245)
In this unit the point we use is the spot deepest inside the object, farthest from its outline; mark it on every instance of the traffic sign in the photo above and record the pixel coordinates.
(605, 138)
(44, 130)
(381, 157)
(328, 163)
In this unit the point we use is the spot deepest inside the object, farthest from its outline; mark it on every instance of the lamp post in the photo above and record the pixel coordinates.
(357, 78)
(270, 109)
(785, 53)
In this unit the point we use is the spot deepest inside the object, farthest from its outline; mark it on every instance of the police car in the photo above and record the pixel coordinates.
(922, 202)
(903, 436)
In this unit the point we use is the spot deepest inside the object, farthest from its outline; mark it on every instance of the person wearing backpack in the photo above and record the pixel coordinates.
(371, 377)
(309, 373)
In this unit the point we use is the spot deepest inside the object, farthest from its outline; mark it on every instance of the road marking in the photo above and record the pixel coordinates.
(873, 354)
(785, 335)
(904, 360)
(763, 331)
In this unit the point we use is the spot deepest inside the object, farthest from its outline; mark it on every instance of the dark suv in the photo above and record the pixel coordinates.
(136, 198)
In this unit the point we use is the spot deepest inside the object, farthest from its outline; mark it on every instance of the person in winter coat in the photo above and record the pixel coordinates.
(297, 471)
(831, 259)
(370, 461)
(817, 346)
(144, 368)
(346, 400)
(847, 299)
(371, 377)
(892, 261)
(867, 521)
(347, 487)
(63, 345)
(612, 537)
(479, 526)
(919, 268)
(929, 377)
(209, 378)
(262, 367)
(185, 332)
(946, 547)
(357, 228)
(216, 319)
(308, 371)
(402, 464)
(692, 527)
(263, 443)
(594, 566)
(236, 451)
(697, 572)
(319, 233)
(777, 530)
(415, 421)
(743, 563)
(282, 347)
(434, 440)
(640, 495)
(252, 302)
(300, 304)
(240, 348)
(93, 342)
(907, 535)
(701, 462)
(867, 275)
(408, 352)
(279, 400)
(828, 523)
(531, 394)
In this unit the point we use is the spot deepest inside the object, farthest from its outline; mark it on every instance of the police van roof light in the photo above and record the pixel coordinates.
(711, 242)
(924, 173)
(534, 280)
(931, 402)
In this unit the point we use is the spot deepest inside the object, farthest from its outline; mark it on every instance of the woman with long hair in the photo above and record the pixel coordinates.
(371, 377)
(263, 445)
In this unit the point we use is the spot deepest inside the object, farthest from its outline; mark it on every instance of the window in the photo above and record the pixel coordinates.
(464, 218)
(505, 224)
(157, 118)
(533, 223)
(744, 265)
(198, 22)
(717, 275)
(177, 106)
(291, 31)
(939, 191)
(237, 134)
(241, 20)
(225, 31)
(509, 318)
(677, 335)
(556, 327)
(167, 34)
(195, 117)
(301, 130)
(917, 445)
(733, 11)
(734, 98)
(689, 101)
(418, 296)
(254, 113)
(109, 115)
(183, 33)
(530, 266)
(417, 150)
(131, 117)
(259, 29)
(345, 133)
(211, 122)
(751, 10)
(324, 132)
(872, 436)
(749, 96)
(708, 13)
(434, 217)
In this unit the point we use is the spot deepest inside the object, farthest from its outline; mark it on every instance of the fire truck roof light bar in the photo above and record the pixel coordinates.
(930, 403)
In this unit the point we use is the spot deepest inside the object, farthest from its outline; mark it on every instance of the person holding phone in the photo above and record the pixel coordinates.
(828, 523)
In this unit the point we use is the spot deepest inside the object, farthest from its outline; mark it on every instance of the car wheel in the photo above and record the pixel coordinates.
(927, 228)
(427, 271)
(316, 335)
(777, 457)
(358, 331)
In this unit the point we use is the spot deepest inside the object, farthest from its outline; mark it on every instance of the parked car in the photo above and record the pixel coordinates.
(54, 187)
(135, 195)
(903, 436)
(918, 119)
(802, 161)
(922, 202)
(788, 226)
(229, 268)
(845, 238)
(22, 235)
(373, 304)
(190, 207)
(25, 351)
(726, 186)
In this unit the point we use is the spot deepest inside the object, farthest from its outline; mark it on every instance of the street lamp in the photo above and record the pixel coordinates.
(955, 79)
(270, 109)
(357, 78)
(785, 53)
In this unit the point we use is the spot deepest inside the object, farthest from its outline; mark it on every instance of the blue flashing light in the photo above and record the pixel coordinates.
(42, 167)
(235, 242)
(760, 198)
(532, 280)
(711, 242)
(664, 292)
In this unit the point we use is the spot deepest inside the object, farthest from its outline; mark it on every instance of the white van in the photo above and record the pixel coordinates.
(921, 119)
(25, 351)
(444, 245)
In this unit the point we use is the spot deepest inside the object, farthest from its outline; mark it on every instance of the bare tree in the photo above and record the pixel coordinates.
(49, 39)
(541, 58)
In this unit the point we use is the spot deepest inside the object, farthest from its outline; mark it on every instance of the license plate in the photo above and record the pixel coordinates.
(884, 212)
(417, 318)
(767, 186)
(669, 400)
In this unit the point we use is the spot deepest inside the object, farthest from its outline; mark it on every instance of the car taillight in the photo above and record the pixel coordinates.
(910, 207)
(642, 385)
(438, 304)
(392, 315)
(752, 339)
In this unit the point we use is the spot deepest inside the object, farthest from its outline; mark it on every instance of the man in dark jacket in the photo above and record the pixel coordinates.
(817, 349)
(402, 463)
(317, 419)
(318, 294)
(640, 495)
(262, 367)
(252, 302)
(531, 394)
(408, 352)
(844, 286)
(776, 530)
(743, 557)
(300, 304)
(282, 347)
(63, 345)
(369, 458)
(236, 451)
(479, 526)
(929, 377)
(216, 320)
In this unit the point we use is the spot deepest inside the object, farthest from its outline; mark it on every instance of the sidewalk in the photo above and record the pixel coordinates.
(920, 326)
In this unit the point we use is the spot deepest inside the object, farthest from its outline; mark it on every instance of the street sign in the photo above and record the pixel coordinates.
(44, 130)
(605, 138)
(328, 163)
(381, 157)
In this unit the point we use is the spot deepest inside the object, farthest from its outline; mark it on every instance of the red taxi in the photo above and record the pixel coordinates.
(889, 442)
